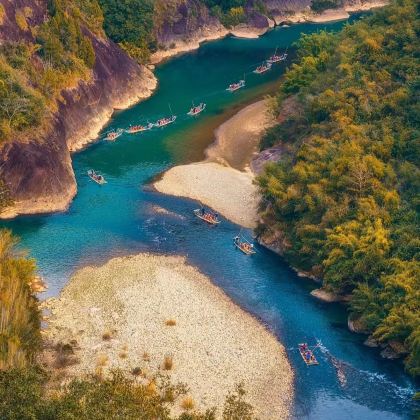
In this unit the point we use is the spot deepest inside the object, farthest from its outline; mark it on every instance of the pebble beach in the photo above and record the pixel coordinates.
(158, 306)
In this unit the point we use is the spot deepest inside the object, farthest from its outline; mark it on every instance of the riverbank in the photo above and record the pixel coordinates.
(215, 32)
(224, 181)
(329, 15)
(133, 312)
(138, 90)
(40, 173)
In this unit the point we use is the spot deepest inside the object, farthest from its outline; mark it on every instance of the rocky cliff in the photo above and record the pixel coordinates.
(37, 169)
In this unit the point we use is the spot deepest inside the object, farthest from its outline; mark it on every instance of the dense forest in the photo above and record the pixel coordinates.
(344, 200)
(34, 70)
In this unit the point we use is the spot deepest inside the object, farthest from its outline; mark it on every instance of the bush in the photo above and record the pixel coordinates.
(21, 20)
(168, 362)
(22, 397)
(20, 336)
(2, 14)
(187, 403)
(321, 5)
(236, 408)
(233, 17)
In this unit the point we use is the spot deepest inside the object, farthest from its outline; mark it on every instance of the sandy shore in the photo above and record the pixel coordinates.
(224, 189)
(329, 15)
(208, 33)
(212, 349)
(220, 181)
(237, 139)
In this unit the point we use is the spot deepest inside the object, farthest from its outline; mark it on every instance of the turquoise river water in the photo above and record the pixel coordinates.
(352, 381)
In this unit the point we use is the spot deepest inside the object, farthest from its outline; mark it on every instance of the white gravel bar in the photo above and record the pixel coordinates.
(214, 344)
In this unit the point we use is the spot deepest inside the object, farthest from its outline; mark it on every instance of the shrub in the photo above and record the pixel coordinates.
(21, 20)
(187, 403)
(321, 5)
(2, 14)
(170, 322)
(235, 16)
(106, 336)
(168, 362)
(236, 408)
(136, 371)
(20, 317)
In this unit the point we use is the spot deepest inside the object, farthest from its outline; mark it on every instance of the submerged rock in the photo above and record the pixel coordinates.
(371, 342)
(326, 296)
(357, 326)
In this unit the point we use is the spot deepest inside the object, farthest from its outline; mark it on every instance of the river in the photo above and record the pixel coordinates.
(123, 217)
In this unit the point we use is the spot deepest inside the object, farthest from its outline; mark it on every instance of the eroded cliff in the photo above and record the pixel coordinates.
(36, 167)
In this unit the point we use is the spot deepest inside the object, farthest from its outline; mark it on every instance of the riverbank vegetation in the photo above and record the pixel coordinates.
(345, 199)
(19, 319)
(24, 396)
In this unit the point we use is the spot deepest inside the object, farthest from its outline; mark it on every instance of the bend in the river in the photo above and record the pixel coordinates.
(352, 381)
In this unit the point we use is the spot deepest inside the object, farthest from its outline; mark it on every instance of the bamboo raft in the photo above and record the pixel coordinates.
(99, 179)
(307, 355)
(244, 246)
(207, 217)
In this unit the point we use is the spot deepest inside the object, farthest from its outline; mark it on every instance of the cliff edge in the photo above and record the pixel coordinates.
(36, 167)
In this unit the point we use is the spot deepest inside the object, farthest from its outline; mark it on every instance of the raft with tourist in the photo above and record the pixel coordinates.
(138, 128)
(165, 121)
(243, 245)
(99, 179)
(113, 135)
(307, 355)
(195, 110)
(208, 216)
(277, 58)
(233, 87)
(263, 68)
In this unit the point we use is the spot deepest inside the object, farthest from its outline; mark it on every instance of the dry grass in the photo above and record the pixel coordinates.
(106, 336)
(136, 371)
(151, 388)
(64, 356)
(28, 12)
(99, 372)
(102, 360)
(2, 14)
(21, 20)
(187, 403)
(109, 335)
(123, 355)
(146, 357)
(168, 362)
(170, 322)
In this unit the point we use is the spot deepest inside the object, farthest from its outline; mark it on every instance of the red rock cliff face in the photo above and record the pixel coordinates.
(38, 170)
